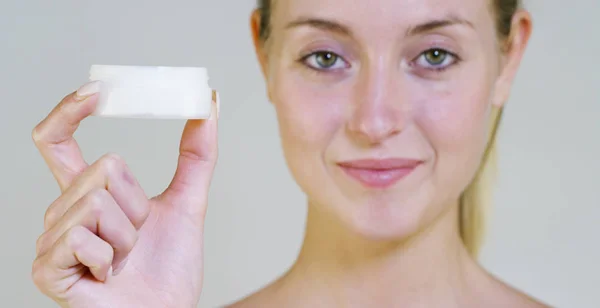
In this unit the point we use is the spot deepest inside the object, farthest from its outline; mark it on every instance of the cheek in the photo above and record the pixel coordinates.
(455, 121)
(309, 115)
(454, 118)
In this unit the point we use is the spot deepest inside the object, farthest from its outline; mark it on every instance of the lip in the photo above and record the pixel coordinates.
(379, 173)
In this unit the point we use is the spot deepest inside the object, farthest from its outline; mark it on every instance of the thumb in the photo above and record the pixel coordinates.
(197, 158)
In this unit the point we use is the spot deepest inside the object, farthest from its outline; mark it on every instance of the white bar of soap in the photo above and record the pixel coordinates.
(152, 92)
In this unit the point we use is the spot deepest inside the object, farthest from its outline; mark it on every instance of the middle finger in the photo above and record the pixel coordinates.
(112, 174)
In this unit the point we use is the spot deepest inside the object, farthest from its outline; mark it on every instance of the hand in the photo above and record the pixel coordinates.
(106, 244)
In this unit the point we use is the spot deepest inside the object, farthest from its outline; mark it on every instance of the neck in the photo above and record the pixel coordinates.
(352, 270)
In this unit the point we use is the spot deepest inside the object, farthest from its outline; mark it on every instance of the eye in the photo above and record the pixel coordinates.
(436, 59)
(324, 60)
(435, 56)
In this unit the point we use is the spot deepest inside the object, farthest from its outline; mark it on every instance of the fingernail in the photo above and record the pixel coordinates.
(215, 97)
(218, 104)
(119, 267)
(88, 89)
(109, 272)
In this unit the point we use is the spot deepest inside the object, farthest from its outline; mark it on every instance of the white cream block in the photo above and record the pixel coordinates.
(152, 92)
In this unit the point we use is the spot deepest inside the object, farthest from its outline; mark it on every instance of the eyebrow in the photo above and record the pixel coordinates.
(334, 26)
(322, 24)
(431, 25)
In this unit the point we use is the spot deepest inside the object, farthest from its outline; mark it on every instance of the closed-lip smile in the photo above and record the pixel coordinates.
(379, 173)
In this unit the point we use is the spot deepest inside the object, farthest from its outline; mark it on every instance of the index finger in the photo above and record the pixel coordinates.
(53, 136)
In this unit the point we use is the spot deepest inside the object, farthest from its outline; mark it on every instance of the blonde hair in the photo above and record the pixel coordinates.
(476, 200)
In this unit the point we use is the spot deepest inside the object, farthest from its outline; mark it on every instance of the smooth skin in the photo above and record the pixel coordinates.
(349, 80)
(140, 251)
(358, 79)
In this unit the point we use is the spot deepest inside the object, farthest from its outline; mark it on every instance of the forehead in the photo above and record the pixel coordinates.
(373, 16)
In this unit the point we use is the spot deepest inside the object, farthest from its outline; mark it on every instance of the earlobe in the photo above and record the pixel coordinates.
(513, 50)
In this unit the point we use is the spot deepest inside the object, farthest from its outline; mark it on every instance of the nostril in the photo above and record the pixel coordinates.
(374, 130)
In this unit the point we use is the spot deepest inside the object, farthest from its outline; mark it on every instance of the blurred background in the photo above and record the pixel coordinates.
(544, 228)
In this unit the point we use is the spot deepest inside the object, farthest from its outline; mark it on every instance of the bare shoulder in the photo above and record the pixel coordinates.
(509, 296)
(496, 293)
(521, 300)
(266, 297)
(254, 300)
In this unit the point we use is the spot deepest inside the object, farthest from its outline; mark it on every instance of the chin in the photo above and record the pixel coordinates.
(387, 218)
(378, 215)
(393, 214)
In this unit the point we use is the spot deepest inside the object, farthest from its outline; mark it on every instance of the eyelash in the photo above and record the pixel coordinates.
(450, 57)
(306, 59)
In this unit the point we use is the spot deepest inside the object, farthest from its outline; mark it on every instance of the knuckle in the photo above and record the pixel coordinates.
(49, 217)
(36, 275)
(39, 274)
(39, 134)
(140, 215)
(95, 201)
(111, 163)
(75, 238)
(191, 155)
(130, 239)
(40, 243)
(38, 131)
(36, 135)
(109, 254)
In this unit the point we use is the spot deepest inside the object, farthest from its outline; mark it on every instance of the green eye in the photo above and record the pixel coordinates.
(435, 56)
(326, 59)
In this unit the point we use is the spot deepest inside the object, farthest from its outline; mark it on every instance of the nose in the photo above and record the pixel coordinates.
(379, 107)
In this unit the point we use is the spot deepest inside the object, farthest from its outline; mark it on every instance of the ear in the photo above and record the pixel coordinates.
(259, 44)
(512, 53)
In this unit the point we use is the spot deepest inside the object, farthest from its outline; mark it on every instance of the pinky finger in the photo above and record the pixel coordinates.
(61, 267)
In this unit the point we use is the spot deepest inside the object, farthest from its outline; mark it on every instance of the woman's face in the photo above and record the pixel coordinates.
(383, 105)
